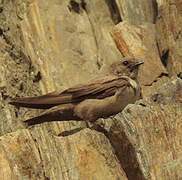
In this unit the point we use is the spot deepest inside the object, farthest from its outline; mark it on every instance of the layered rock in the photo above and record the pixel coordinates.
(52, 45)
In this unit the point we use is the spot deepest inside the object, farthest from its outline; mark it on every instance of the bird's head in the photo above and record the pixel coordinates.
(127, 66)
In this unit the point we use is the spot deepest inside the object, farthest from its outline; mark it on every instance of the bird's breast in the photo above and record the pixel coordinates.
(129, 95)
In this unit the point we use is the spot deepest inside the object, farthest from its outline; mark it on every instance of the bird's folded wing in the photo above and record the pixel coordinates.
(97, 88)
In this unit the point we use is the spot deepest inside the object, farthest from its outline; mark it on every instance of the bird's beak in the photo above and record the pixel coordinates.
(138, 64)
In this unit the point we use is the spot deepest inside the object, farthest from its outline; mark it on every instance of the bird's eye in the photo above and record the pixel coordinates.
(125, 63)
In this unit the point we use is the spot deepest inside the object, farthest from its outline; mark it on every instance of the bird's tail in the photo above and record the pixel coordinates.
(64, 112)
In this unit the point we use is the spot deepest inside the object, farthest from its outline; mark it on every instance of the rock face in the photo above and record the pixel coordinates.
(168, 25)
(52, 45)
(149, 133)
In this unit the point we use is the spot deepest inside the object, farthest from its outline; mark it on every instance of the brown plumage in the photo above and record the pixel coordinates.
(105, 95)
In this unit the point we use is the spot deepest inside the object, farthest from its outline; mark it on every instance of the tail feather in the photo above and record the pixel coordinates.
(63, 112)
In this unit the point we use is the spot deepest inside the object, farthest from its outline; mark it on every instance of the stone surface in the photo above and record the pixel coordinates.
(19, 156)
(69, 46)
(83, 155)
(169, 39)
(137, 11)
(147, 135)
(16, 69)
(52, 45)
(47, 46)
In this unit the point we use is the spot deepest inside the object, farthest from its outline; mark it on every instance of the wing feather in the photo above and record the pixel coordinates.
(96, 89)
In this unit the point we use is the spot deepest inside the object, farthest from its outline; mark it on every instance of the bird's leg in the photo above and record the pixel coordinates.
(89, 124)
(96, 125)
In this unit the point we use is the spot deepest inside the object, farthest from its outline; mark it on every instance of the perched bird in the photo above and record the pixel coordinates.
(103, 96)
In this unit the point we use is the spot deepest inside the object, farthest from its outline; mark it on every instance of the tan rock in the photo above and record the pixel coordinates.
(52, 45)
(169, 27)
(68, 46)
(84, 155)
(137, 11)
(91, 156)
(19, 156)
(5, 169)
(149, 134)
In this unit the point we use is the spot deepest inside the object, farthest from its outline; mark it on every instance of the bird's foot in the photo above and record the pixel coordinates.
(89, 124)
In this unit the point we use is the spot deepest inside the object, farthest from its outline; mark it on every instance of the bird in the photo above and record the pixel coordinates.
(101, 97)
